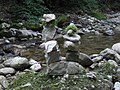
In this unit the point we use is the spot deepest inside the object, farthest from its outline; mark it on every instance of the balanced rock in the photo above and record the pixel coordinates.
(51, 51)
(85, 60)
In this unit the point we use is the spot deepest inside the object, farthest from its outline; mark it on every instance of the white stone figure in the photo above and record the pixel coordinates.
(49, 29)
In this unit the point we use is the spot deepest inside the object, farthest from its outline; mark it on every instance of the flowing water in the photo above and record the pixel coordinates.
(90, 44)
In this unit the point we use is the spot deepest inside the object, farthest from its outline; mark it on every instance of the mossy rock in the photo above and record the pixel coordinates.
(74, 28)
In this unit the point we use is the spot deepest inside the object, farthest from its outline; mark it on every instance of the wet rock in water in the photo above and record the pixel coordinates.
(63, 67)
(17, 62)
(117, 86)
(116, 47)
(51, 51)
(3, 82)
(109, 32)
(84, 60)
(7, 70)
(36, 67)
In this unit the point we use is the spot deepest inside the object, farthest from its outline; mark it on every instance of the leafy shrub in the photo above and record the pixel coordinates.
(29, 10)
(98, 14)
(62, 20)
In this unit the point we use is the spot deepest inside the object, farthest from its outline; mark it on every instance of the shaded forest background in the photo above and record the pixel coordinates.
(32, 10)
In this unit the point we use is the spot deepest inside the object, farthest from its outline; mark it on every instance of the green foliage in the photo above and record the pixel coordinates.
(89, 5)
(74, 28)
(98, 14)
(30, 10)
(62, 20)
(106, 69)
(33, 26)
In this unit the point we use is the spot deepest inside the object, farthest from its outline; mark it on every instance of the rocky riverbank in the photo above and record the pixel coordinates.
(16, 60)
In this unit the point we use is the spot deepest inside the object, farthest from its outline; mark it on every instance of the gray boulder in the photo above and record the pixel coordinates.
(116, 47)
(17, 62)
(72, 56)
(85, 60)
(71, 46)
(3, 81)
(63, 67)
(7, 70)
(74, 68)
(80, 58)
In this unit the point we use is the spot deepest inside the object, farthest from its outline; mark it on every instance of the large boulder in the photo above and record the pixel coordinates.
(63, 67)
(17, 62)
(7, 70)
(80, 58)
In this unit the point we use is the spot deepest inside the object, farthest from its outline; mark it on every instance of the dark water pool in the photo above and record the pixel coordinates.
(92, 44)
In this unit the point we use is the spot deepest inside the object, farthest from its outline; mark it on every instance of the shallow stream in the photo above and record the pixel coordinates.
(90, 44)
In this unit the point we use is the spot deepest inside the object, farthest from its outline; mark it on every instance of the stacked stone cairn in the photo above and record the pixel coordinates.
(73, 63)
